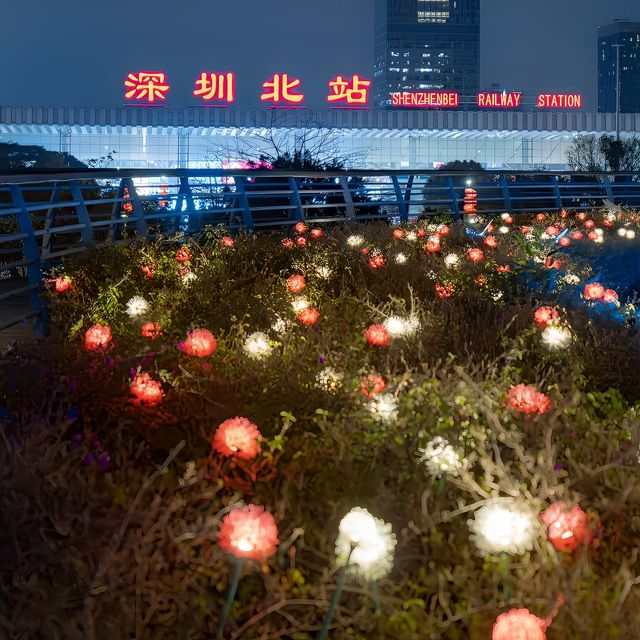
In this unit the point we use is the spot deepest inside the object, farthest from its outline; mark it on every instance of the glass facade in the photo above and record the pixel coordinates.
(426, 44)
(626, 34)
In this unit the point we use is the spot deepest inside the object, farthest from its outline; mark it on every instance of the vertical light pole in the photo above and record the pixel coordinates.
(617, 48)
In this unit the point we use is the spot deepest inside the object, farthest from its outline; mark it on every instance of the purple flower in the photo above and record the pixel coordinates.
(75, 441)
(322, 359)
(558, 467)
(89, 459)
(103, 461)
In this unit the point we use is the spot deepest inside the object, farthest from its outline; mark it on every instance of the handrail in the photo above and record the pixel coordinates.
(46, 214)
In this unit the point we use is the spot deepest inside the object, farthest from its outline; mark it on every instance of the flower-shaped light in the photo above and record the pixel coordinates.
(237, 437)
(433, 244)
(316, 233)
(398, 234)
(383, 407)
(593, 291)
(444, 291)
(228, 242)
(137, 306)
(527, 399)
(296, 283)
(398, 327)
(249, 533)
(355, 241)
(309, 316)
(504, 525)
(328, 379)
(440, 458)
(367, 543)
(378, 336)
(183, 254)
(556, 337)
(568, 528)
(97, 337)
(62, 284)
(200, 343)
(519, 624)
(146, 390)
(377, 261)
(257, 345)
(544, 316)
(400, 258)
(489, 241)
(151, 330)
(475, 254)
(451, 260)
(300, 303)
(372, 384)
(301, 227)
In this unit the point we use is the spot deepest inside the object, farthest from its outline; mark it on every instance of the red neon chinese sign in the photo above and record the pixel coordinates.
(425, 99)
(351, 92)
(281, 89)
(216, 86)
(499, 100)
(146, 86)
(560, 101)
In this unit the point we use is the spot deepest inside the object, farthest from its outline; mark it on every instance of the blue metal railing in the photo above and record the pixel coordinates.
(47, 214)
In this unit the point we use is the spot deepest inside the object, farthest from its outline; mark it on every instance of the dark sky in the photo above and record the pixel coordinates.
(78, 52)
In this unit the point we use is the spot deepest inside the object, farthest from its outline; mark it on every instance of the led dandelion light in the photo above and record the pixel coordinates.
(544, 316)
(527, 399)
(300, 227)
(593, 291)
(200, 343)
(571, 278)
(400, 258)
(97, 337)
(451, 260)
(137, 306)
(475, 255)
(383, 407)
(183, 254)
(440, 458)
(364, 548)
(556, 337)
(61, 284)
(377, 261)
(489, 241)
(519, 624)
(397, 327)
(568, 528)
(146, 390)
(257, 346)
(330, 380)
(300, 303)
(296, 283)
(355, 241)
(151, 330)
(412, 236)
(228, 242)
(503, 229)
(372, 384)
(309, 316)
(378, 336)
(188, 278)
(237, 437)
(505, 525)
(324, 272)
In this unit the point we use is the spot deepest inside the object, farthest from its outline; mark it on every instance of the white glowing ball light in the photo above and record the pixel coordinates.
(412, 236)
(397, 327)
(328, 379)
(441, 458)
(451, 260)
(188, 278)
(324, 272)
(503, 229)
(571, 278)
(505, 525)
(257, 346)
(367, 542)
(355, 241)
(383, 407)
(137, 306)
(556, 337)
(300, 304)
(400, 258)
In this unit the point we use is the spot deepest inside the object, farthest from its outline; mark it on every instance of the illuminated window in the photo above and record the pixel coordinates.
(433, 11)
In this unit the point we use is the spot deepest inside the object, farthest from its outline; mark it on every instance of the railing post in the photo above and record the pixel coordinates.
(137, 209)
(31, 253)
(185, 194)
(86, 234)
(556, 192)
(455, 205)
(49, 222)
(247, 216)
(115, 213)
(607, 187)
(506, 195)
(296, 200)
(402, 205)
(346, 196)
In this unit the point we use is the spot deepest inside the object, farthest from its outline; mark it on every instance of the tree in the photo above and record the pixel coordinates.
(593, 153)
(19, 156)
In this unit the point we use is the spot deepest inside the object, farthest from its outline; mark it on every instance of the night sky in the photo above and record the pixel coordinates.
(78, 52)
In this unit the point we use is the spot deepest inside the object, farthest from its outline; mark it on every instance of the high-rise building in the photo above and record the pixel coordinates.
(426, 44)
(626, 34)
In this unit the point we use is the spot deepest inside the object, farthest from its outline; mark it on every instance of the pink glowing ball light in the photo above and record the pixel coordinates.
(249, 533)
(97, 337)
(200, 343)
(518, 624)
(237, 437)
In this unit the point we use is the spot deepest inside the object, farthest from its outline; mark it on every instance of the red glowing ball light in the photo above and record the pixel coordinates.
(594, 236)
(519, 624)
(589, 224)
(151, 330)
(148, 271)
(183, 270)
(146, 390)
(609, 295)
(491, 242)
(200, 343)
(421, 233)
(503, 268)
(372, 384)
(316, 233)
(365, 251)
(97, 337)
(398, 234)
(301, 227)
(377, 261)
(444, 291)
(577, 235)
(378, 336)
(183, 254)
(309, 316)
(567, 528)
(607, 223)
(301, 241)
(433, 244)
(593, 291)
(295, 284)
(287, 242)
(62, 284)
(582, 215)
(237, 437)
(228, 242)
(249, 533)
(564, 242)
(552, 231)
(481, 281)
(540, 217)
(525, 229)
(527, 399)
(444, 230)
(544, 316)
(475, 255)
(507, 220)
